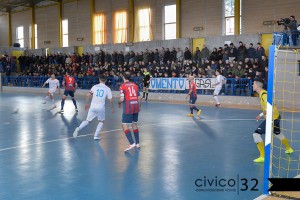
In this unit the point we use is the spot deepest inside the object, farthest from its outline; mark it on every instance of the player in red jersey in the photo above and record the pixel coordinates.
(70, 85)
(193, 97)
(130, 97)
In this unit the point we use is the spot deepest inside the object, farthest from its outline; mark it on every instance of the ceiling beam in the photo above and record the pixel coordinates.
(14, 5)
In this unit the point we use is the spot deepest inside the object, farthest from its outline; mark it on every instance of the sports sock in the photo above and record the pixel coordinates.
(62, 104)
(261, 149)
(83, 124)
(195, 108)
(146, 95)
(191, 108)
(136, 136)
(129, 136)
(143, 94)
(98, 129)
(53, 102)
(47, 98)
(74, 102)
(217, 99)
(285, 142)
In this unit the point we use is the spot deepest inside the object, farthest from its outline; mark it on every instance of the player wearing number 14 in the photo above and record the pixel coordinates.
(130, 97)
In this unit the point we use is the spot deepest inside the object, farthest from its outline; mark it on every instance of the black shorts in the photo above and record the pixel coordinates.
(69, 92)
(261, 129)
(193, 100)
(146, 85)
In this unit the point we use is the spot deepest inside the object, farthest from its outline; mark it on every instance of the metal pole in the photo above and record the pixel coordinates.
(1, 89)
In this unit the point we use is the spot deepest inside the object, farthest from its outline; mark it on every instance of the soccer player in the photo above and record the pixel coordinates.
(129, 96)
(70, 85)
(147, 77)
(193, 97)
(218, 87)
(53, 85)
(258, 87)
(99, 93)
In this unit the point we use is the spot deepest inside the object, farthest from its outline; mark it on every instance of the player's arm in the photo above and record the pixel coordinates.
(122, 96)
(58, 88)
(87, 100)
(45, 83)
(63, 83)
(111, 102)
(264, 107)
(190, 92)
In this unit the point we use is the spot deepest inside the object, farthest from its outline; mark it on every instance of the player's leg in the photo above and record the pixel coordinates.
(47, 97)
(195, 108)
(147, 87)
(144, 91)
(136, 129)
(52, 91)
(73, 99)
(91, 115)
(101, 117)
(259, 141)
(215, 96)
(281, 137)
(191, 107)
(63, 99)
(126, 121)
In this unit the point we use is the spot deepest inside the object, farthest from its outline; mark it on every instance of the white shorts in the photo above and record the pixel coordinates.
(96, 112)
(52, 91)
(217, 91)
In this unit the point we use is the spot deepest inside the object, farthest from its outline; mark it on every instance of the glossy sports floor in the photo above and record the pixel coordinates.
(180, 157)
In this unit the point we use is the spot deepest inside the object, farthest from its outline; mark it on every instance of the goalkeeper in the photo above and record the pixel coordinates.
(258, 87)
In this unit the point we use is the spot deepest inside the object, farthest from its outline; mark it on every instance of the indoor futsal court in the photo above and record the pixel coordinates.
(40, 159)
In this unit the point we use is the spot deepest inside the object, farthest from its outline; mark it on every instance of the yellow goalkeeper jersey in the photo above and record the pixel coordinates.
(263, 103)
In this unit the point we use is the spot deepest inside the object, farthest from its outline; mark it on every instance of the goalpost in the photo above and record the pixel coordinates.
(284, 92)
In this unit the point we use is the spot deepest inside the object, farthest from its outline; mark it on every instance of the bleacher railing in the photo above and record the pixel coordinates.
(233, 86)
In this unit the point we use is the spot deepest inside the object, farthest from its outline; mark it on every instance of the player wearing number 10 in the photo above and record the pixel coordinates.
(129, 96)
(97, 108)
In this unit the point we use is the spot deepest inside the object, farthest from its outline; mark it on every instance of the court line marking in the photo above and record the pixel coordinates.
(157, 124)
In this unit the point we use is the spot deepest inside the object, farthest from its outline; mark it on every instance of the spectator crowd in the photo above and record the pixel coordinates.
(233, 62)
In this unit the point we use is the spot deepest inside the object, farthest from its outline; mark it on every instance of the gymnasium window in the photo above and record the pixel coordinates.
(229, 16)
(170, 22)
(144, 24)
(120, 27)
(65, 33)
(20, 36)
(99, 33)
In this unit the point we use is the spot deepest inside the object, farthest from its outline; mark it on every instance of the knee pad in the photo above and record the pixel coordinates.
(257, 138)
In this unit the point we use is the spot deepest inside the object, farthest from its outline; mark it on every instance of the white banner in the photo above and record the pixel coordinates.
(180, 83)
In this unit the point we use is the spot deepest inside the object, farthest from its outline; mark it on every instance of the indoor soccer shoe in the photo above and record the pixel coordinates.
(259, 160)
(76, 109)
(75, 133)
(138, 146)
(97, 138)
(217, 105)
(190, 115)
(43, 102)
(288, 151)
(199, 112)
(130, 147)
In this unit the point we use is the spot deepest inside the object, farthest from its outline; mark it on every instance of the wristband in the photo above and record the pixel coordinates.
(261, 114)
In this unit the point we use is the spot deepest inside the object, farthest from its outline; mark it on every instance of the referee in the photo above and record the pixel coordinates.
(146, 81)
